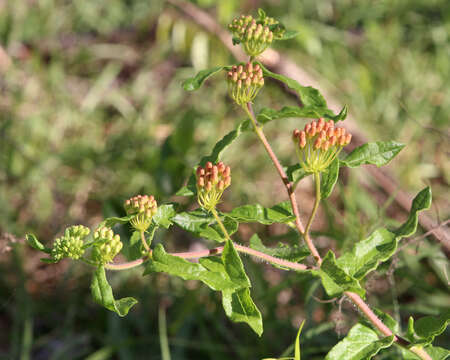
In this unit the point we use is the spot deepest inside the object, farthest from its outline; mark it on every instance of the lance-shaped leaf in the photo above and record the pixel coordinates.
(194, 83)
(103, 295)
(294, 253)
(132, 249)
(361, 343)
(190, 189)
(309, 96)
(204, 225)
(329, 179)
(36, 244)
(267, 114)
(367, 254)
(377, 153)
(164, 215)
(216, 279)
(335, 280)
(239, 307)
(280, 213)
(421, 202)
(111, 221)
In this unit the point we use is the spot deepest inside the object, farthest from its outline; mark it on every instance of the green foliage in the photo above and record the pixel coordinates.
(197, 81)
(361, 343)
(335, 280)
(377, 153)
(294, 253)
(224, 274)
(280, 213)
(203, 224)
(36, 244)
(267, 114)
(102, 294)
(329, 179)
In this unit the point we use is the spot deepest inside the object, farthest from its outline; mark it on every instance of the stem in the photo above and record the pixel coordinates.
(372, 317)
(144, 242)
(289, 187)
(316, 202)
(224, 230)
(215, 251)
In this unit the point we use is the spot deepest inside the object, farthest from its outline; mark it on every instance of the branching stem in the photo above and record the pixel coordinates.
(144, 242)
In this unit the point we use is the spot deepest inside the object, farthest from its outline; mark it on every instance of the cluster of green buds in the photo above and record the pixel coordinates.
(106, 245)
(212, 180)
(256, 35)
(70, 244)
(142, 208)
(244, 82)
(319, 144)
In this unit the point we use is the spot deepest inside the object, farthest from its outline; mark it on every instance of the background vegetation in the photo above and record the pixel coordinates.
(92, 112)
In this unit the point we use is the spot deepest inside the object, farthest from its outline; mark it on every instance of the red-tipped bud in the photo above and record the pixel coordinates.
(302, 139)
(317, 143)
(221, 185)
(208, 186)
(320, 124)
(227, 181)
(326, 145)
(333, 140)
(348, 138)
(227, 171)
(209, 165)
(296, 133)
(201, 181)
(341, 140)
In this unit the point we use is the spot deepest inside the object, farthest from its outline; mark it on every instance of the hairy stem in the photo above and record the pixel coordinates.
(365, 309)
(215, 251)
(289, 186)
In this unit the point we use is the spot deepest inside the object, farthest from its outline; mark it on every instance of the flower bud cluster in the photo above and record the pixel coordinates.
(319, 143)
(106, 245)
(71, 244)
(244, 82)
(142, 207)
(212, 180)
(256, 35)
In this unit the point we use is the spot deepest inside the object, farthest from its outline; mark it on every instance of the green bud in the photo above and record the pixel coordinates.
(107, 245)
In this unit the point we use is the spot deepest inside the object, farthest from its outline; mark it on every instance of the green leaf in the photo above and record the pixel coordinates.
(377, 153)
(110, 222)
(294, 254)
(103, 295)
(335, 280)
(197, 81)
(239, 307)
(329, 179)
(36, 244)
(366, 255)
(233, 265)
(177, 266)
(297, 342)
(428, 327)
(204, 225)
(289, 34)
(267, 114)
(361, 343)
(295, 173)
(164, 215)
(191, 189)
(421, 202)
(280, 213)
(132, 249)
(309, 96)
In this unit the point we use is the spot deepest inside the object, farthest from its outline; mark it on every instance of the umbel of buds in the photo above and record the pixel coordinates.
(256, 35)
(244, 82)
(212, 180)
(106, 245)
(318, 144)
(142, 208)
(71, 244)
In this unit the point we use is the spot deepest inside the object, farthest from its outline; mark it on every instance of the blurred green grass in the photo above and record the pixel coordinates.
(92, 112)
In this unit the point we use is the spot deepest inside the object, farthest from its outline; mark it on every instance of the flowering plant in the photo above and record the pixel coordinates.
(319, 153)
